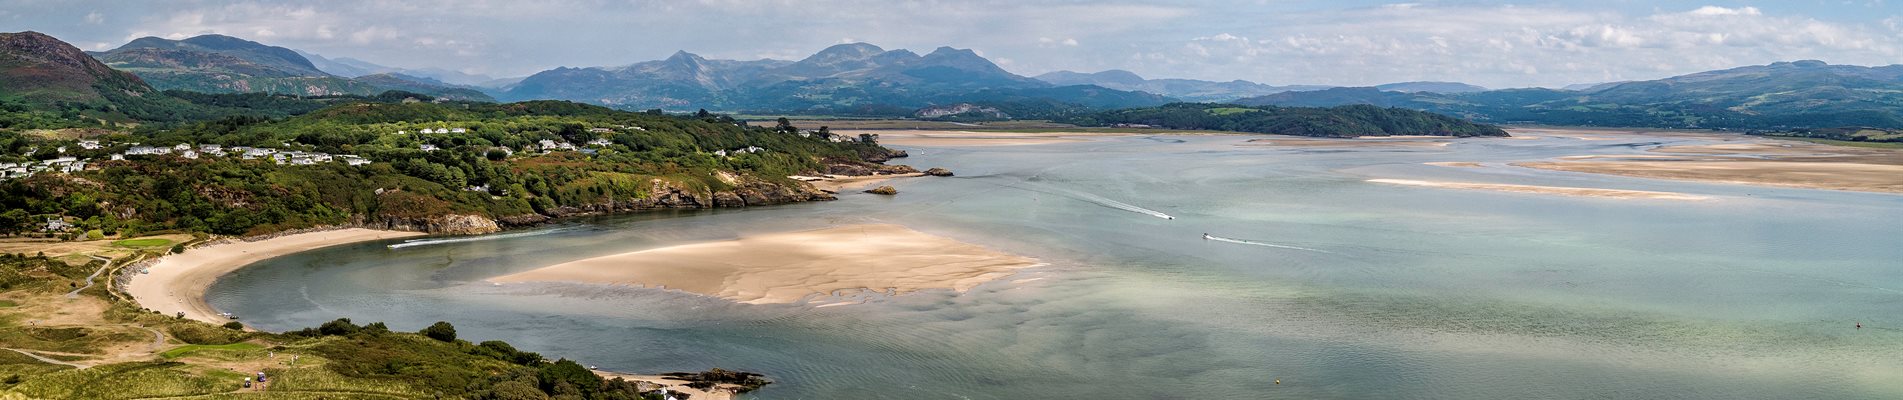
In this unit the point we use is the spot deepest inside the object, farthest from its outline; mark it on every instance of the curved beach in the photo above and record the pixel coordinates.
(177, 283)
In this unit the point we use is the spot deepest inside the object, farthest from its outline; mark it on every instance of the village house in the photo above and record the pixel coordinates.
(56, 224)
(89, 144)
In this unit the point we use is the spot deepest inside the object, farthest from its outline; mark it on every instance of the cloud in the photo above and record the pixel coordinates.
(1505, 46)
(1281, 41)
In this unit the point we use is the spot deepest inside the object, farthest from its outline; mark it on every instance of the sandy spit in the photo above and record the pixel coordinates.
(787, 267)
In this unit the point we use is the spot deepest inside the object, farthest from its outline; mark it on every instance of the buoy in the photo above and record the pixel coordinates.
(1278, 381)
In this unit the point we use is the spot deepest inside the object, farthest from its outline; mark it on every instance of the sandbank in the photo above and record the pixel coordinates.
(930, 138)
(1799, 174)
(1440, 141)
(788, 267)
(177, 283)
(1554, 190)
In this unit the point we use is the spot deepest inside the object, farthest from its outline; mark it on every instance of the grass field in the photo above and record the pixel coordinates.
(144, 242)
(77, 252)
(206, 349)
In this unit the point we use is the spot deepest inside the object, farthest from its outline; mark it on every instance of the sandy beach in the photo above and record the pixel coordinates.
(177, 283)
(672, 385)
(1554, 190)
(841, 183)
(788, 267)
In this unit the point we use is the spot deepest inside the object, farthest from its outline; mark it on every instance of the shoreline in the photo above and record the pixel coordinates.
(178, 282)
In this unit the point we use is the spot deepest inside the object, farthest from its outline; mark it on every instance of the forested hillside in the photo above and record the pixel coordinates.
(1343, 121)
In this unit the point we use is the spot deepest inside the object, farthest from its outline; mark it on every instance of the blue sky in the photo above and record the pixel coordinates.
(1355, 42)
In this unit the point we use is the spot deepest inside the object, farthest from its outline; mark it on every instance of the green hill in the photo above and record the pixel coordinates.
(1342, 121)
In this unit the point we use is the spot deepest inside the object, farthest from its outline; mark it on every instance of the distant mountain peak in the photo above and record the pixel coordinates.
(39, 67)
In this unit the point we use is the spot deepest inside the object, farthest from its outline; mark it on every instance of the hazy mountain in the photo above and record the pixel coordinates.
(433, 87)
(224, 64)
(1431, 87)
(345, 66)
(1802, 94)
(848, 78)
(1591, 87)
(39, 69)
(1186, 89)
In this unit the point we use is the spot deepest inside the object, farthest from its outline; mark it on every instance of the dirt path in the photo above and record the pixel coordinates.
(49, 360)
(89, 279)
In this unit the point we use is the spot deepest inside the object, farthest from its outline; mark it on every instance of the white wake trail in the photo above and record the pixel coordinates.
(428, 242)
(1255, 243)
(1100, 200)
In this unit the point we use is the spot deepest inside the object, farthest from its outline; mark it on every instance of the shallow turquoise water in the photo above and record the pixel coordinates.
(1360, 290)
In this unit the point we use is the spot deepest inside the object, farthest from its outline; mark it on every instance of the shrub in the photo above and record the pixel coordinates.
(441, 331)
(234, 325)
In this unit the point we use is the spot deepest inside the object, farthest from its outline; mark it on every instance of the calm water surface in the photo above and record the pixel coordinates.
(1338, 287)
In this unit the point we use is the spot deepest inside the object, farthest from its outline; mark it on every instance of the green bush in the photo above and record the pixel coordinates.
(441, 331)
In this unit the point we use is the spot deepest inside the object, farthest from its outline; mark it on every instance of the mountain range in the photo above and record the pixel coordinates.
(856, 78)
(1783, 95)
(863, 79)
(224, 64)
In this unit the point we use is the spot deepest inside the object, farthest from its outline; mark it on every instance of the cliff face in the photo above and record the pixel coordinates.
(454, 224)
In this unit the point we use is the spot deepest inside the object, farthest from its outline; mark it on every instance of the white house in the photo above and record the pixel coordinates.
(458, 130)
(427, 147)
(89, 144)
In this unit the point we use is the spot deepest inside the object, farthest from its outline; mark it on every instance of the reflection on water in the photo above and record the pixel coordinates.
(1416, 292)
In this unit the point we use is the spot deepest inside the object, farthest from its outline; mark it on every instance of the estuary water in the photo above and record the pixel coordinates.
(1336, 287)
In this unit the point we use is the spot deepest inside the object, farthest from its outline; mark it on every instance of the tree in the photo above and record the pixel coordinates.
(338, 327)
(441, 331)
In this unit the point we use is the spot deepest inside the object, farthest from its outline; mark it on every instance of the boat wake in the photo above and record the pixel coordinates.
(1255, 243)
(478, 238)
(1100, 200)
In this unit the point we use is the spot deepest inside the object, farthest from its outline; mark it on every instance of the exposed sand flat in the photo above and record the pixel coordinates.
(1555, 190)
(840, 183)
(1456, 164)
(1333, 142)
(177, 283)
(926, 138)
(1800, 174)
(786, 267)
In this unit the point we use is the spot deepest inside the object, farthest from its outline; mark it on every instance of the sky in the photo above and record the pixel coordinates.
(1496, 44)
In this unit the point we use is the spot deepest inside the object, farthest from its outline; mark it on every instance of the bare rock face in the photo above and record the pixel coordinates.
(938, 172)
(885, 190)
(453, 224)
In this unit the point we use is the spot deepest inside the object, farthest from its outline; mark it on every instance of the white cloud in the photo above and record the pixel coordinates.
(1273, 41)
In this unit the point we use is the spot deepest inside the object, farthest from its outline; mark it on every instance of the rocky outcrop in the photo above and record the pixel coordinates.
(868, 169)
(453, 224)
(938, 172)
(881, 154)
(885, 190)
